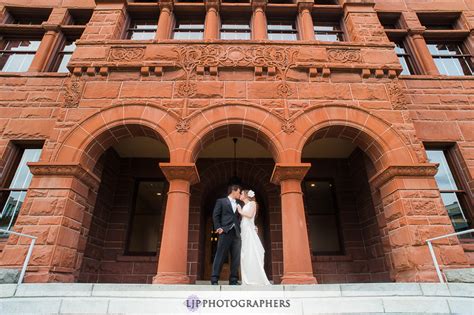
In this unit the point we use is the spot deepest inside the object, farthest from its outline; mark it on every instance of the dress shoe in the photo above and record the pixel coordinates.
(234, 283)
(213, 283)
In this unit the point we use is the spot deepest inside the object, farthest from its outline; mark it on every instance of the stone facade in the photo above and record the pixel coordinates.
(280, 94)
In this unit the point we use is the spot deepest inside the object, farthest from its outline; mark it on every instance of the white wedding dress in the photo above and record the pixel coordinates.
(252, 252)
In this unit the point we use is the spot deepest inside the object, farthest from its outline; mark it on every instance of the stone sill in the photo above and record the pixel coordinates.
(34, 74)
(128, 42)
(435, 77)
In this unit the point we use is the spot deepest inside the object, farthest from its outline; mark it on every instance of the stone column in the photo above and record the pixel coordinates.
(212, 21)
(259, 20)
(172, 261)
(46, 48)
(305, 20)
(54, 211)
(165, 21)
(421, 52)
(412, 213)
(297, 267)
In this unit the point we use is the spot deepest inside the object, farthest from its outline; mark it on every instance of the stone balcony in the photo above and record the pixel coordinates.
(282, 59)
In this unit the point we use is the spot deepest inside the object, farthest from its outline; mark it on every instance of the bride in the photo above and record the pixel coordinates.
(252, 252)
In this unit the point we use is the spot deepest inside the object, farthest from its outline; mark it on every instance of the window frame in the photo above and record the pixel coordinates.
(131, 30)
(184, 30)
(342, 249)
(453, 160)
(132, 207)
(465, 55)
(12, 163)
(293, 31)
(235, 30)
(407, 56)
(4, 43)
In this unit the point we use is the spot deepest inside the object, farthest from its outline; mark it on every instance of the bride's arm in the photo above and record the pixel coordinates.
(250, 213)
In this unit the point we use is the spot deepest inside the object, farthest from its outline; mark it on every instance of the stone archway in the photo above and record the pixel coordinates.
(402, 187)
(64, 191)
(213, 185)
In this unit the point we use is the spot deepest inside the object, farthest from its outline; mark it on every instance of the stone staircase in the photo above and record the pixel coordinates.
(370, 298)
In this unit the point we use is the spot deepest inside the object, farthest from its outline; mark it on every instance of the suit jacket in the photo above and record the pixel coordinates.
(224, 216)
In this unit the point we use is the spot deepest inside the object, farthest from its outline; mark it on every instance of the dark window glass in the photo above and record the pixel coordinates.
(405, 58)
(281, 30)
(14, 196)
(17, 55)
(64, 56)
(451, 59)
(142, 29)
(146, 218)
(321, 211)
(450, 192)
(188, 30)
(328, 31)
(235, 30)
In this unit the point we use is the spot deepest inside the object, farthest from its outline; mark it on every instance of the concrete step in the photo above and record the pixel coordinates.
(373, 298)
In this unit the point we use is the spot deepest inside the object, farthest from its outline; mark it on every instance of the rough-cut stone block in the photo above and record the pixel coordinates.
(460, 275)
(9, 275)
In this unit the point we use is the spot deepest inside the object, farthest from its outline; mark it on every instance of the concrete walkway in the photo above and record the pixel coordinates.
(375, 298)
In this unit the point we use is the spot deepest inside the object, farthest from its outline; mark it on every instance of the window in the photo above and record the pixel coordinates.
(328, 31)
(14, 195)
(235, 30)
(146, 217)
(79, 16)
(404, 58)
(142, 29)
(439, 21)
(389, 20)
(326, 2)
(188, 30)
(449, 189)
(450, 58)
(281, 30)
(27, 16)
(16, 55)
(64, 56)
(323, 222)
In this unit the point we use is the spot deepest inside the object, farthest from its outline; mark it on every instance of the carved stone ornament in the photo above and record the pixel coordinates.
(183, 125)
(282, 58)
(397, 97)
(183, 171)
(344, 55)
(65, 169)
(427, 169)
(186, 89)
(283, 171)
(288, 127)
(126, 53)
(73, 91)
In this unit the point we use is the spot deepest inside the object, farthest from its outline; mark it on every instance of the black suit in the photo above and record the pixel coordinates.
(225, 218)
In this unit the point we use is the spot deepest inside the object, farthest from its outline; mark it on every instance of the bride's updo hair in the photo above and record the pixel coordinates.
(252, 193)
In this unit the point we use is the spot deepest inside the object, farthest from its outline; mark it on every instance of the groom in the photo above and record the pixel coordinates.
(227, 225)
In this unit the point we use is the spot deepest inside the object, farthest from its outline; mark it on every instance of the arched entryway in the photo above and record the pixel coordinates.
(251, 168)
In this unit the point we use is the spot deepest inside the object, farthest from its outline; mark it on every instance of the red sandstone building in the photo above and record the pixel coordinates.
(117, 121)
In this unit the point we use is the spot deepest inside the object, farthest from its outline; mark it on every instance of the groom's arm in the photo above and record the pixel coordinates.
(217, 215)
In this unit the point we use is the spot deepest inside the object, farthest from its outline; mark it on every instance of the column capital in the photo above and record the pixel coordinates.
(183, 171)
(212, 4)
(47, 26)
(110, 1)
(284, 171)
(417, 30)
(166, 4)
(305, 5)
(365, 3)
(64, 169)
(262, 4)
(422, 170)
